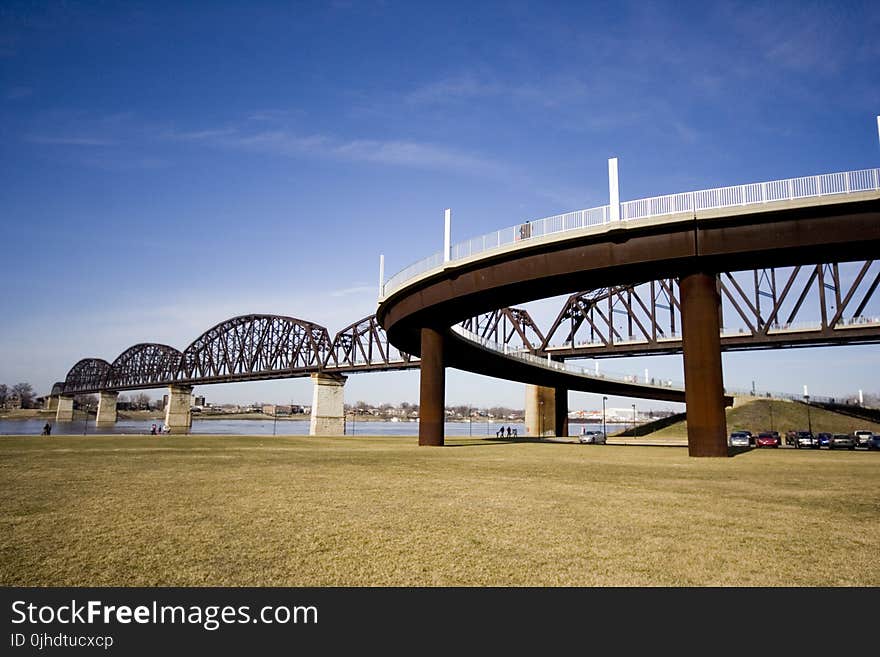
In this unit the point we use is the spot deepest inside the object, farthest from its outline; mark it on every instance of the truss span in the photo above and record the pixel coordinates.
(805, 305)
(253, 347)
(88, 375)
(364, 346)
(144, 364)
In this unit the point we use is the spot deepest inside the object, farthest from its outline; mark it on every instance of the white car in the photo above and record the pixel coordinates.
(740, 439)
(863, 437)
(592, 438)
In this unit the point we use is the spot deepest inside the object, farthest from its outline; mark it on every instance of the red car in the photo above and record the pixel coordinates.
(768, 439)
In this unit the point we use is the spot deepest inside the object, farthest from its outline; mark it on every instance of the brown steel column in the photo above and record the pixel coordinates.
(561, 412)
(432, 389)
(703, 381)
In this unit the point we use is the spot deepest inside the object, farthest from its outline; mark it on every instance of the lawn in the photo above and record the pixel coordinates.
(380, 511)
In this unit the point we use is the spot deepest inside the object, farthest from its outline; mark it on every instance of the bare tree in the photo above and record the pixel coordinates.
(85, 401)
(141, 401)
(4, 393)
(25, 393)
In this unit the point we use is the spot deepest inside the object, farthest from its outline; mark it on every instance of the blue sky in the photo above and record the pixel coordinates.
(166, 166)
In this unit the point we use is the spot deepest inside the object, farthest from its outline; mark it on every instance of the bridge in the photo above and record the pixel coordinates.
(686, 251)
(263, 347)
(759, 266)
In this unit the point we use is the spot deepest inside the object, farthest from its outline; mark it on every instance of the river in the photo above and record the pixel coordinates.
(265, 427)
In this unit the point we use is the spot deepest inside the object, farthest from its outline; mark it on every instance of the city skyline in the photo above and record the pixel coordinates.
(165, 168)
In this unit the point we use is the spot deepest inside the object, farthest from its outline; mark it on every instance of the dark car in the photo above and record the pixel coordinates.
(874, 443)
(824, 439)
(842, 441)
(768, 439)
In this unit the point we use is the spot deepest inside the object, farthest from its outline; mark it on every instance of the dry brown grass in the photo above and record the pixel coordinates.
(380, 511)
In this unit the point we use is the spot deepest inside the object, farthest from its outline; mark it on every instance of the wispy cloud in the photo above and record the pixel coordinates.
(403, 153)
(69, 141)
(358, 289)
(17, 93)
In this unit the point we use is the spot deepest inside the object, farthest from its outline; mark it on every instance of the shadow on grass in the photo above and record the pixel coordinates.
(503, 441)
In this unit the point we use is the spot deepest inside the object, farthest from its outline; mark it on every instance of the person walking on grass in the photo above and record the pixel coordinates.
(47, 429)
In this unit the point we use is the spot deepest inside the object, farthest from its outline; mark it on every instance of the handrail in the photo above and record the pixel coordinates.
(595, 219)
(562, 366)
(621, 378)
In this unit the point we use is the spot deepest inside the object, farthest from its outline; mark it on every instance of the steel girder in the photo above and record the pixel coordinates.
(252, 347)
(805, 305)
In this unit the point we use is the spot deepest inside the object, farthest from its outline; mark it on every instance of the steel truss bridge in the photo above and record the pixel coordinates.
(815, 305)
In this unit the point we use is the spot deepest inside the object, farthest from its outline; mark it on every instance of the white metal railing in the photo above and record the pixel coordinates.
(847, 182)
(547, 363)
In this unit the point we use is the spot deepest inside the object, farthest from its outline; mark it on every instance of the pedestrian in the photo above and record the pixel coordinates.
(153, 430)
(514, 432)
(508, 432)
(47, 429)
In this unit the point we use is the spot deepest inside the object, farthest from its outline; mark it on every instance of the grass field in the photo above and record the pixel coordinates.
(380, 511)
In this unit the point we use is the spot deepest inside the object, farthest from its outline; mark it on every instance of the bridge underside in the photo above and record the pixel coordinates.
(693, 251)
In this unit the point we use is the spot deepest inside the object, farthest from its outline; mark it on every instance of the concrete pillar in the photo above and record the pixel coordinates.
(178, 417)
(703, 379)
(106, 408)
(432, 389)
(51, 403)
(540, 411)
(65, 409)
(561, 420)
(328, 405)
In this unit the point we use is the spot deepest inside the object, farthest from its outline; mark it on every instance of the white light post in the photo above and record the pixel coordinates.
(613, 190)
(604, 431)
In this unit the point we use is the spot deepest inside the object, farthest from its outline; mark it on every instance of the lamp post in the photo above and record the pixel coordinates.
(634, 419)
(770, 405)
(604, 399)
(275, 419)
(809, 420)
(86, 418)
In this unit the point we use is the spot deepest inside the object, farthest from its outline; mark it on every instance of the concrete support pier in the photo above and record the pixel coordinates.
(106, 408)
(561, 423)
(703, 378)
(64, 413)
(51, 403)
(178, 417)
(432, 389)
(540, 411)
(328, 405)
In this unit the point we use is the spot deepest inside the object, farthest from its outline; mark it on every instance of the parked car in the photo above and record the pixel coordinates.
(875, 442)
(592, 437)
(863, 437)
(824, 439)
(842, 440)
(768, 439)
(791, 438)
(740, 439)
(806, 439)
